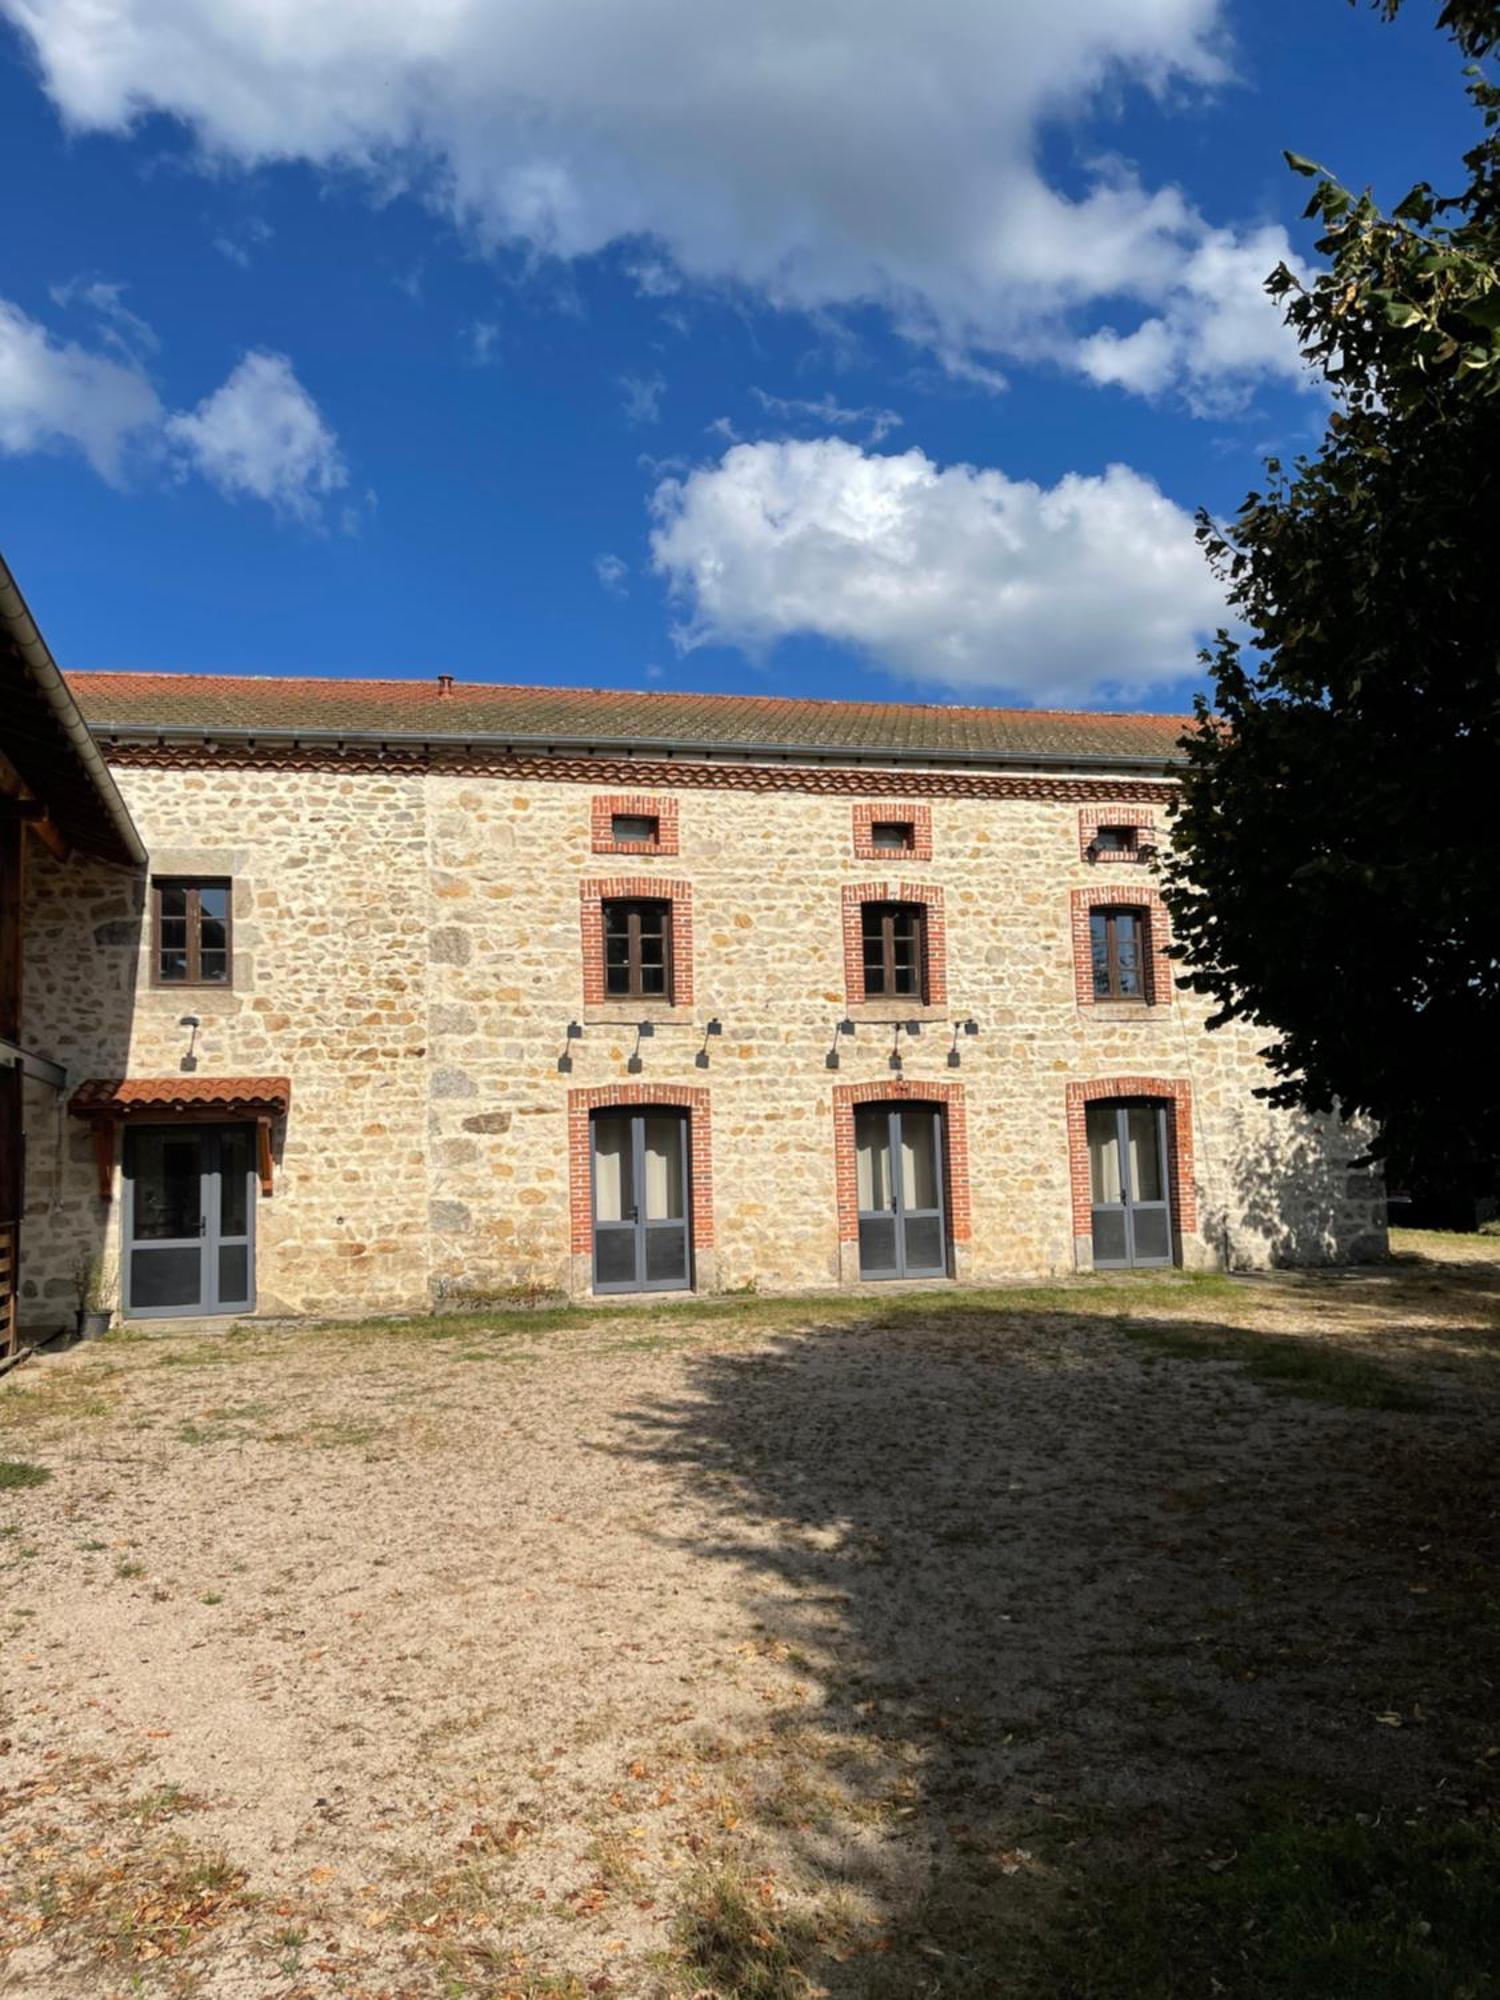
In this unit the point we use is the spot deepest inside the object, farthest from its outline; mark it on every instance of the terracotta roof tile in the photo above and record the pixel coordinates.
(474, 710)
(240, 1096)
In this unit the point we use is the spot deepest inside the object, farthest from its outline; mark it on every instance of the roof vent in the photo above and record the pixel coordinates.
(445, 684)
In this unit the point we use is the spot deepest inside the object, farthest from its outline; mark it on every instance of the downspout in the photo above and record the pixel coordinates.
(34, 649)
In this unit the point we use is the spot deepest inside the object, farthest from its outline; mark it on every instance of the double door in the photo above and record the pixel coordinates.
(641, 1204)
(898, 1153)
(1132, 1214)
(189, 1220)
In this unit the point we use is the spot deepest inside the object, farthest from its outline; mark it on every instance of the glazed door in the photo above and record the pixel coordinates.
(898, 1151)
(640, 1180)
(189, 1242)
(1132, 1216)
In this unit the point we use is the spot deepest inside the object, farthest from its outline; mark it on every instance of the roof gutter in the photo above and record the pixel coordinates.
(21, 627)
(639, 747)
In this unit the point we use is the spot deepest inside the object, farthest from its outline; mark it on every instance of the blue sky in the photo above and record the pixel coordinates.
(843, 347)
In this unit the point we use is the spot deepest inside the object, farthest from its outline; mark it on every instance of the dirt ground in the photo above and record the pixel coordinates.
(745, 1648)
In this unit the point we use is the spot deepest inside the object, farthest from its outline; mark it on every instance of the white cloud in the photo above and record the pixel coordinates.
(261, 434)
(612, 572)
(119, 327)
(1216, 335)
(822, 153)
(240, 241)
(826, 411)
(1092, 588)
(482, 338)
(642, 396)
(56, 396)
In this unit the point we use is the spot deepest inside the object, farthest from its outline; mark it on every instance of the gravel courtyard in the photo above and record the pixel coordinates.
(889, 1646)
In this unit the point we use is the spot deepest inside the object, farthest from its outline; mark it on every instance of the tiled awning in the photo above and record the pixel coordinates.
(110, 1101)
(223, 1096)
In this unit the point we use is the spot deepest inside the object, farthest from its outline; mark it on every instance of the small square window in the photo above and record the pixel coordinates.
(640, 827)
(1115, 839)
(893, 836)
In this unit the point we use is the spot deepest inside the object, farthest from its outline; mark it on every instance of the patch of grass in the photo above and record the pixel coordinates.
(736, 1940)
(1339, 1911)
(129, 1570)
(1293, 1365)
(18, 1472)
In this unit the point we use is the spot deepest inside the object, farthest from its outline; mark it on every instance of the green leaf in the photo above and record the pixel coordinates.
(1309, 169)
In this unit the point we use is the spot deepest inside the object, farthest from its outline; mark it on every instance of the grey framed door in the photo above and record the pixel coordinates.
(639, 1172)
(189, 1220)
(898, 1155)
(1132, 1211)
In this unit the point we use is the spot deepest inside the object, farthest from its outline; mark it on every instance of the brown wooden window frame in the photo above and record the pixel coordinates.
(634, 990)
(1109, 915)
(194, 885)
(889, 913)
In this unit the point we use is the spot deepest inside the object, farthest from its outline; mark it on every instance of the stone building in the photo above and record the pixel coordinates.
(430, 992)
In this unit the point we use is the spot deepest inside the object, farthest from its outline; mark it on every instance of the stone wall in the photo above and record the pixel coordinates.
(408, 950)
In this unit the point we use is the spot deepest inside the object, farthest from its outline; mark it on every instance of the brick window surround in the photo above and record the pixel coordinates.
(950, 1097)
(692, 1098)
(1158, 967)
(1091, 818)
(870, 814)
(860, 893)
(593, 893)
(639, 805)
(1179, 1099)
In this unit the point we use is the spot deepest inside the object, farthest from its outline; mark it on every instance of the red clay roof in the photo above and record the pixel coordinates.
(238, 1096)
(588, 716)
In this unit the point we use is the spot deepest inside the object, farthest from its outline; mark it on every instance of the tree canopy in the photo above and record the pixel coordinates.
(1337, 870)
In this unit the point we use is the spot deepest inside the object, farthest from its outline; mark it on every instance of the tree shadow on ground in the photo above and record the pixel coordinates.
(1051, 1619)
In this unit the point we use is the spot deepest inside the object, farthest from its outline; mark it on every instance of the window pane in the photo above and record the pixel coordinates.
(161, 1278)
(234, 1275)
(666, 1255)
(165, 1184)
(1099, 946)
(664, 1191)
(877, 1246)
(872, 1158)
(1145, 1162)
(213, 967)
(1104, 1154)
(234, 1181)
(1128, 953)
(1109, 1236)
(173, 901)
(924, 1246)
(633, 826)
(1153, 1236)
(891, 833)
(919, 1164)
(1114, 839)
(614, 1181)
(172, 965)
(614, 1257)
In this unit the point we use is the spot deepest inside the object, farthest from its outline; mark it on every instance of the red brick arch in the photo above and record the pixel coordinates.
(1179, 1095)
(955, 1166)
(694, 1099)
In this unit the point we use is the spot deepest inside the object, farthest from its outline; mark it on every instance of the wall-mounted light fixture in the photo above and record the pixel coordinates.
(192, 1023)
(572, 1033)
(969, 1027)
(644, 1030)
(714, 1028)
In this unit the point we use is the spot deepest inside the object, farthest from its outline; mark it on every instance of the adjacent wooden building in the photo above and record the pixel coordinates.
(56, 794)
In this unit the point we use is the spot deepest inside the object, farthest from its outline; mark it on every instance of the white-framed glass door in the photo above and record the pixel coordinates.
(189, 1220)
(898, 1163)
(642, 1233)
(1128, 1184)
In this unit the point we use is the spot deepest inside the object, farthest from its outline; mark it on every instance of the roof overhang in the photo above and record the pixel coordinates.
(1082, 764)
(47, 746)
